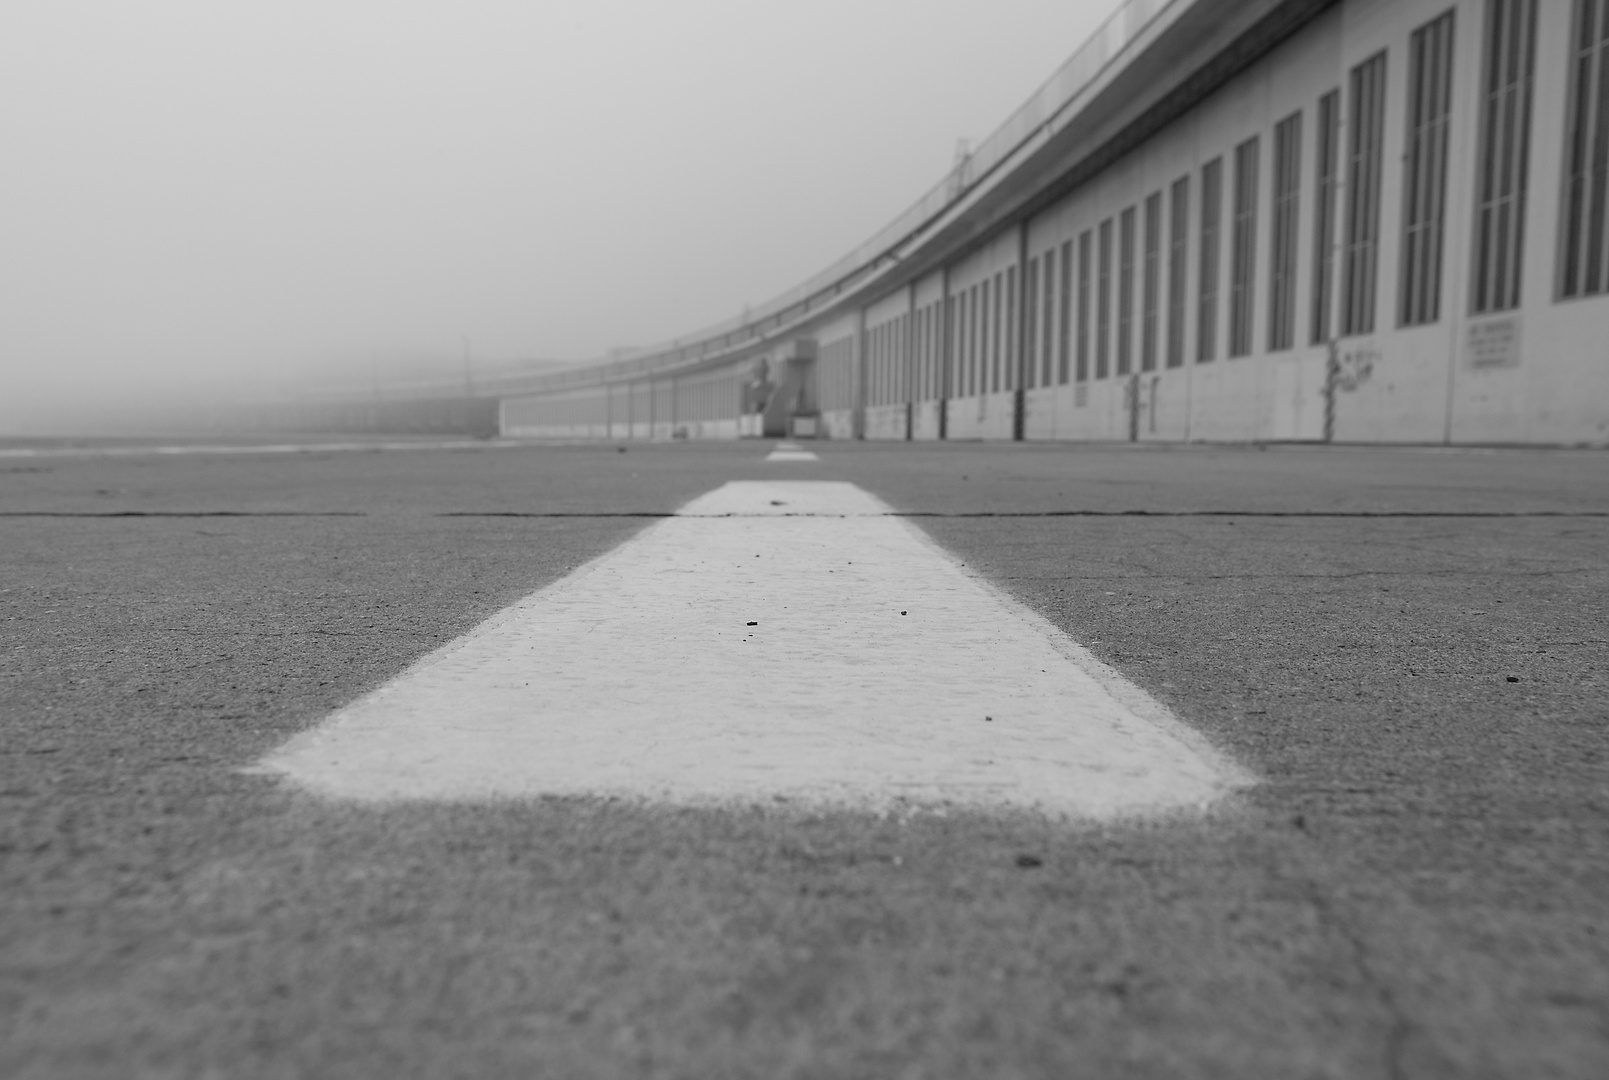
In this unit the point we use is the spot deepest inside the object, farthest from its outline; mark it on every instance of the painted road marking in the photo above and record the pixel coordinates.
(790, 452)
(773, 641)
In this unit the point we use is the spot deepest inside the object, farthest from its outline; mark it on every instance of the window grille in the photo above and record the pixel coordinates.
(1178, 251)
(1430, 84)
(1584, 250)
(999, 340)
(1505, 142)
(1368, 87)
(1151, 286)
(1327, 147)
(1048, 309)
(1282, 247)
(1005, 319)
(1064, 346)
(988, 313)
(1030, 280)
(1103, 304)
(1243, 250)
(1125, 292)
(1207, 279)
(919, 350)
(968, 352)
(1085, 242)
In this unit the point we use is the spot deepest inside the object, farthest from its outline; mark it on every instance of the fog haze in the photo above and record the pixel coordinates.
(212, 200)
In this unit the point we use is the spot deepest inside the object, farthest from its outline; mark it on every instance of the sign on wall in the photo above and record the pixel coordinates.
(1492, 343)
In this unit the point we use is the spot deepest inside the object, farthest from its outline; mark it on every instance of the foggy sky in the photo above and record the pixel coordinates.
(234, 196)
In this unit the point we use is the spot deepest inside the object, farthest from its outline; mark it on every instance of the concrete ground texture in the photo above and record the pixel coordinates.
(1407, 648)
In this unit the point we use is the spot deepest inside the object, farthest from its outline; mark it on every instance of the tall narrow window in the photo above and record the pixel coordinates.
(1178, 251)
(980, 330)
(958, 343)
(930, 333)
(949, 327)
(1243, 249)
(1085, 242)
(1505, 144)
(954, 345)
(1030, 278)
(1048, 317)
(964, 357)
(1103, 304)
(1009, 325)
(1368, 95)
(896, 356)
(924, 350)
(988, 356)
(1064, 345)
(885, 363)
(886, 387)
(1282, 247)
(886, 390)
(871, 366)
(1151, 287)
(918, 354)
(1004, 359)
(891, 391)
(874, 364)
(880, 360)
(1125, 292)
(886, 374)
(1328, 152)
(1584, 247)
(918, 318)
(977, 317)
(1212, 180)
(879, 388)
(1424, 189)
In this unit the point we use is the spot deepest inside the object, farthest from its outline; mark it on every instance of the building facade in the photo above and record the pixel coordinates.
(1221, 220)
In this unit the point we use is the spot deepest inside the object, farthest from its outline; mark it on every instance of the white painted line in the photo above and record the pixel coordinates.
(779, 454)
(737, 654)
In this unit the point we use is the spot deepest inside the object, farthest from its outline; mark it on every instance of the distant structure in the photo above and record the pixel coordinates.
(428, 402)
(1351, 220)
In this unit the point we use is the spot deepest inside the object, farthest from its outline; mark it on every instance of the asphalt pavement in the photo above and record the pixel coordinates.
(1409, 648)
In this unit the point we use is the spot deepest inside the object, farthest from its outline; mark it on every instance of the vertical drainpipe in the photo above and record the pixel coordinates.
(946, 318)
(859, 415)
(1019, 400)
(910, 364)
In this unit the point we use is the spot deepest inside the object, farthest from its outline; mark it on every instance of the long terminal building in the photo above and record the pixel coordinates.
(1221, 220)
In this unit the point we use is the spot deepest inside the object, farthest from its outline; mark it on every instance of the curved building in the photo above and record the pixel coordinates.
(1351, 220)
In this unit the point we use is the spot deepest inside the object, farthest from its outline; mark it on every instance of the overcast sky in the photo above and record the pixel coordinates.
(231, 194)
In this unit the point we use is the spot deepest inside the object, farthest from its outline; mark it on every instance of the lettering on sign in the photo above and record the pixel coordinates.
(1493, 343)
